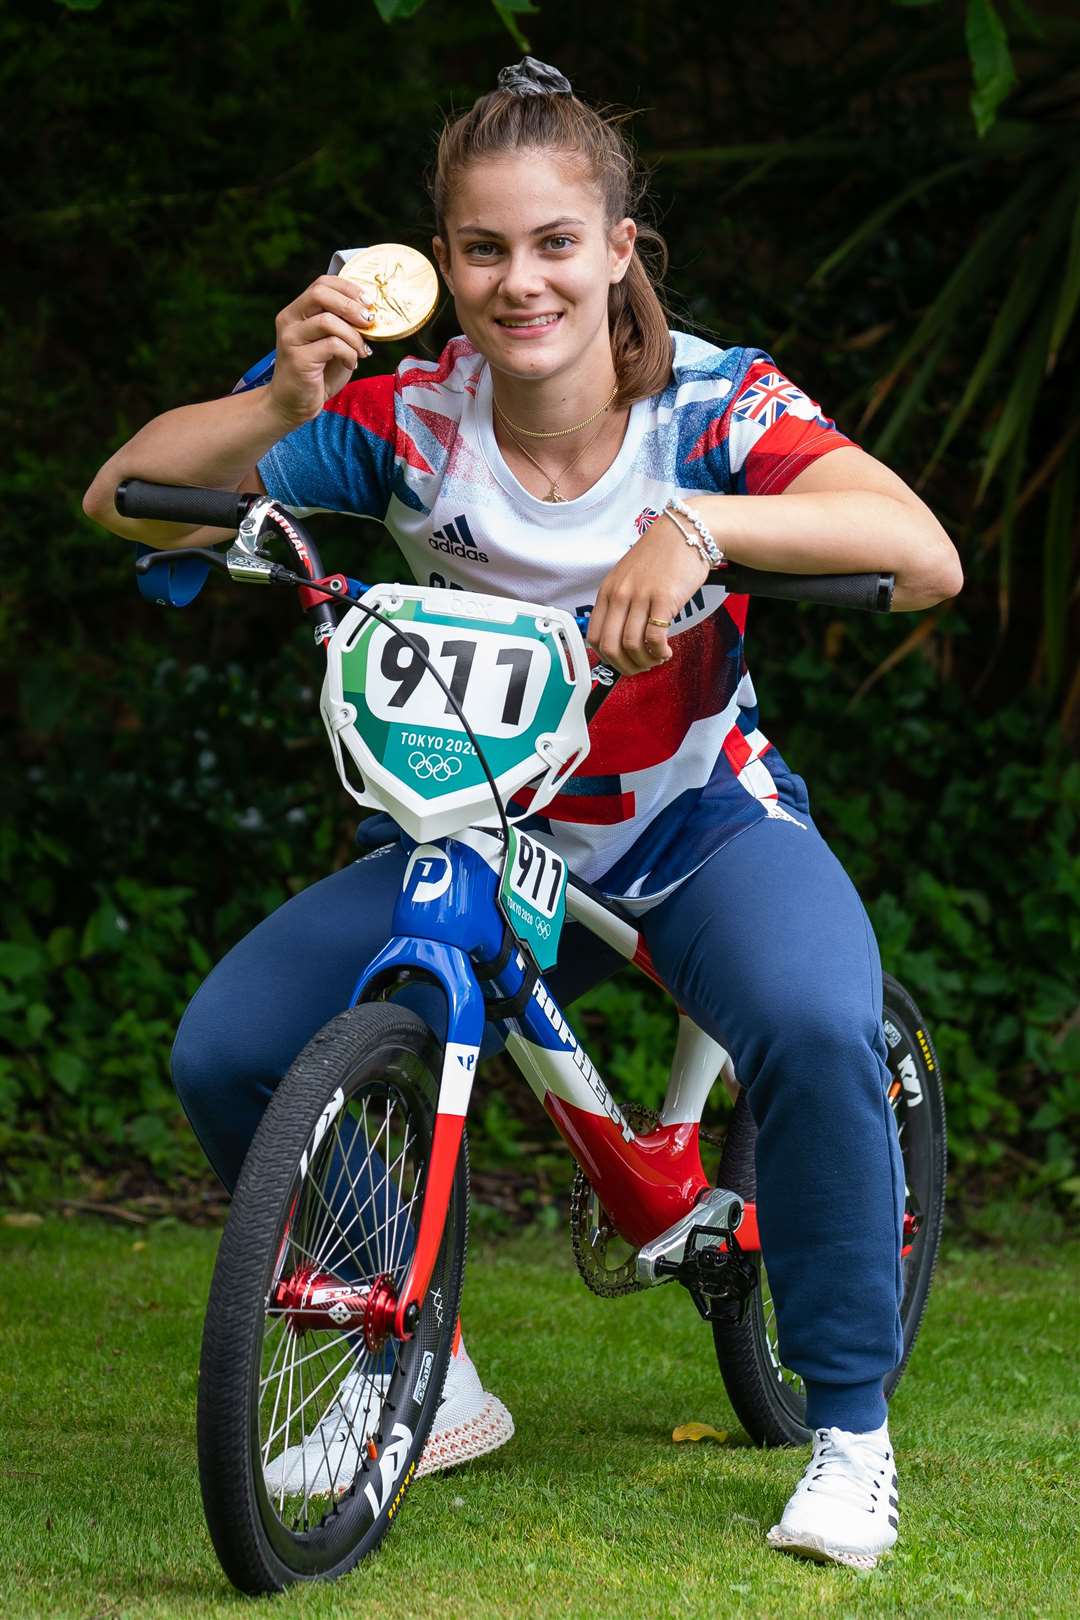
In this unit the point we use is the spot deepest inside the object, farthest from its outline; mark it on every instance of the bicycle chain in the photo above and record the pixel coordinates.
(591, 1230)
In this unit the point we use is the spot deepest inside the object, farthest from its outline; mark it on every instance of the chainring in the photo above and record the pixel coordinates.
(591, 1230)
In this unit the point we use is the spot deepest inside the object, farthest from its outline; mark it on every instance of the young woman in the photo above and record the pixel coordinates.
(570, 449)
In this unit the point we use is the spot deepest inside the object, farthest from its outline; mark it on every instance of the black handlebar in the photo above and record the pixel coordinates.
(871, 592)
(226, 508)
(170, 503)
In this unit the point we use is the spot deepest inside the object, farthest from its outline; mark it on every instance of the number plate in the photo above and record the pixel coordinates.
(518, 671)
(533, 896)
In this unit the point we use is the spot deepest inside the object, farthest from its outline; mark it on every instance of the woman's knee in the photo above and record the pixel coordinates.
(208, 1049)
(238, 1034)
(809, 1045)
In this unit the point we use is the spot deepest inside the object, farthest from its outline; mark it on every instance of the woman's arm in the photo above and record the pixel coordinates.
(217, 444)
(845, 514)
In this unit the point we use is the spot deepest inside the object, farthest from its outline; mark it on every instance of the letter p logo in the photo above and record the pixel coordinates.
(433, 873)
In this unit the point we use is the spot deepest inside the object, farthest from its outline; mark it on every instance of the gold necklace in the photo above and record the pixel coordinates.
(555, 433)
(553, 495)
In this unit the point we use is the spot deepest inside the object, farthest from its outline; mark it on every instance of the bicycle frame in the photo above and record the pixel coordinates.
(447, 928)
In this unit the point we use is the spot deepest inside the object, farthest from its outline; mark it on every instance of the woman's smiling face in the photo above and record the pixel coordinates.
(529, 259)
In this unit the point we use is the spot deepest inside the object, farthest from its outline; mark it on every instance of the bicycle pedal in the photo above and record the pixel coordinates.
(715, 1273)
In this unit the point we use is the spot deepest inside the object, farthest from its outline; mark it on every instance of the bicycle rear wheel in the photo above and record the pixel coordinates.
(768, 1398)
(311, 1418)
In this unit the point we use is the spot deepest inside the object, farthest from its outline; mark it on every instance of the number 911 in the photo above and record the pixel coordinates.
(497, 680)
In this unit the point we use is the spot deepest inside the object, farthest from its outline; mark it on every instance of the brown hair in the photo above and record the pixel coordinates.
(508, 121)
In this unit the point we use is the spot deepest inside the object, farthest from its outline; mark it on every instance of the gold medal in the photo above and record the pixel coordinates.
(402, 285)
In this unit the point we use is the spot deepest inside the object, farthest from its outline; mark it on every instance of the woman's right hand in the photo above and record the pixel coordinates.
(320, 342)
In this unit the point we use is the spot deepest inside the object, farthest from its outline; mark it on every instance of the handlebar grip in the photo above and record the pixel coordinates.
(172, 503)
(871, 592)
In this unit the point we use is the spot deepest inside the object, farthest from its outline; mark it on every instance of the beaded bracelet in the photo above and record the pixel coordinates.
(705, 544)
(691, 539)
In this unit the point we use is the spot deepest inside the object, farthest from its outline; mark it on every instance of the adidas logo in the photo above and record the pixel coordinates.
(456, 539)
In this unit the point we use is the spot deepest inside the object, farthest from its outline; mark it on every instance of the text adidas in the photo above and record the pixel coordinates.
(456, 539)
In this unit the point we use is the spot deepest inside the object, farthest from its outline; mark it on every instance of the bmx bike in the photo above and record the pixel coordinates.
(340, 1267)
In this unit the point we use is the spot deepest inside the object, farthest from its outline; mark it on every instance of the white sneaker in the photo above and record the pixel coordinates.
(329, 1459)
(469, 1422)
(845, 1508)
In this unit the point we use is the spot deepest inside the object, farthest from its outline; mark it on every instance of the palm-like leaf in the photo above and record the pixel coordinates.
(1009, 306)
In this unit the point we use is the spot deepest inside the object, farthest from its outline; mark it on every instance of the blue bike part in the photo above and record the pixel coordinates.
(446, 921)
(451, 970)
(171, 582)
(448, 894)
(258, 374)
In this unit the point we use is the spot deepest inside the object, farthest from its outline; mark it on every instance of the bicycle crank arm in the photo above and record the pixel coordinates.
(660, 1258)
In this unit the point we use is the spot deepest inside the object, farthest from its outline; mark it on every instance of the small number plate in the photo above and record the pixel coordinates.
(533, 896)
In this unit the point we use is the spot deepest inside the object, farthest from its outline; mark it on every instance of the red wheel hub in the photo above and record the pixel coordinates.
(317, 1299)
(379, 1315)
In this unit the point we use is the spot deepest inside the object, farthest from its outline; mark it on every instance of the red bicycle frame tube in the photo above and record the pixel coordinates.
(445, 1147)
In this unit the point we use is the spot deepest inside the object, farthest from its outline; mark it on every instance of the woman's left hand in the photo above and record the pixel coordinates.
(654, 581)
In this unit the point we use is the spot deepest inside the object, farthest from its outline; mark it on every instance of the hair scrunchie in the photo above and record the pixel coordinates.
(532, 78)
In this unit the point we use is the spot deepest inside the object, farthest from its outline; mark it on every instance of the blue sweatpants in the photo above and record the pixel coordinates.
(769, 948)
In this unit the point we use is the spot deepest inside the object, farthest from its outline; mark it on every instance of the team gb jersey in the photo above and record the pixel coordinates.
(677, 765)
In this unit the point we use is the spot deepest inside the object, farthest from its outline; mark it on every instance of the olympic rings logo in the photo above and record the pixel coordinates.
(433, 766)
(543, 929)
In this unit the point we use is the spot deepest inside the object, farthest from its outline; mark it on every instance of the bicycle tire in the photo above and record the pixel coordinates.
(766, 1396)
(373, 1053)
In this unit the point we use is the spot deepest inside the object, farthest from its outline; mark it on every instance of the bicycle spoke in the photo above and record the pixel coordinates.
(399, 1245)
(319, 1350)
(288, 1343)
(320, 1232)
(288, 1422)
(298, 1363)
(328, 1258)
(279, 1351)
(388, 1258)
(386, 1177)
(352, 1254)
(398, 1239)
(345, 1359)
(371, 1148)
(348, 1215)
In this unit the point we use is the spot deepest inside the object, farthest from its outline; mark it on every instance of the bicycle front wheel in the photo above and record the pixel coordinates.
(769, 1398)
(311, 1417)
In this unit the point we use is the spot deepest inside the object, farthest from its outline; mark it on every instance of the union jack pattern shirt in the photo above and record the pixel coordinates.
(678, 765)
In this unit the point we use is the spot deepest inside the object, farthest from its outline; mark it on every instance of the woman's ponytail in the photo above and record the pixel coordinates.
(640, 339)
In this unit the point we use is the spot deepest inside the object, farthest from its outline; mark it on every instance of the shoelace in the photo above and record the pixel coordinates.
(846, 1467)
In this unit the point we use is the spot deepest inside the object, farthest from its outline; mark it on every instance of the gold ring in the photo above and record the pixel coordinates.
(661, 624)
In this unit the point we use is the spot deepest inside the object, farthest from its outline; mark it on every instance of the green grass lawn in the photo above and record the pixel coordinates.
(591, 1510)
